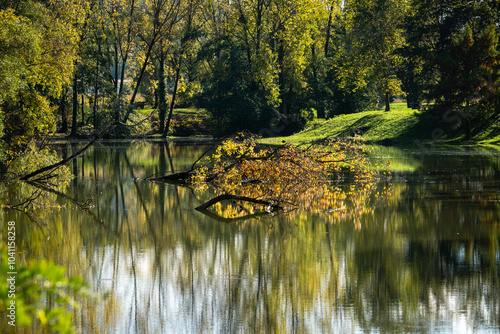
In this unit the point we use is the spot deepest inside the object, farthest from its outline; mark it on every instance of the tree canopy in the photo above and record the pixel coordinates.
(268, 66)
(38, 49)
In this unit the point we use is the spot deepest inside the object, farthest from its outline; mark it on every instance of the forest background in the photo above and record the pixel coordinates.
(266, 66)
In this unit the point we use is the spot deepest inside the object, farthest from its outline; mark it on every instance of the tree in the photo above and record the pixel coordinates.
(239, 76)
(282, 178)
(161, 16)
(274, 39)
(36, 63)
(233, 98)
(183, 40)
(337, 77)
(468, 74)
(457, 44)
(375, 28)
(118, 22)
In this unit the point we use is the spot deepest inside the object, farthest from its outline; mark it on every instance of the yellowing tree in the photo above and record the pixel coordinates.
(37, 54)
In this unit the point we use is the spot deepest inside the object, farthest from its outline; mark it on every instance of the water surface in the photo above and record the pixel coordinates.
(425, 259)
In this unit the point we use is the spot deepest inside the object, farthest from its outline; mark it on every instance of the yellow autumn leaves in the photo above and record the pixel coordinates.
(334, 176)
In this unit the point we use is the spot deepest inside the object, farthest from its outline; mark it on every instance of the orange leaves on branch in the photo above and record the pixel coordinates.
(313, 177)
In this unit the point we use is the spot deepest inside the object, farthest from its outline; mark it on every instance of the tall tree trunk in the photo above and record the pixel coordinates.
(314, 62)
(139, 79)
(83, 110)
(328, 31)
(115, 81)
(161, 92)
(141, 73)
(96, 96)
(122, 75)
(258, 24)
(281, 78)
(125, 53)
(75, 107)
(157, 104)
(64, 114)
(172, 103)
(387, 102)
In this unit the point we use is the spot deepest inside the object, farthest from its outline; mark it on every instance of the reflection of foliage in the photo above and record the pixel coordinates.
(27, 197)
(35, 158)
(42, 293)
(287, 177)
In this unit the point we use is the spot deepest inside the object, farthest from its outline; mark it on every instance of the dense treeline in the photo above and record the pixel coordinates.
(267, 66)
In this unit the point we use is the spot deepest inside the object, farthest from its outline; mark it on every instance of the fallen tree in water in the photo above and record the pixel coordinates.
(251, 178)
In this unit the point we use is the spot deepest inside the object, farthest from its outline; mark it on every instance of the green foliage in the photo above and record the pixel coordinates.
(374, 28)
(20, 48)
(457, 55)
(233, 99)
(469, 65)
(253, 64)
(43, 294)
(37, 54)
(32, 118)
(35, 157)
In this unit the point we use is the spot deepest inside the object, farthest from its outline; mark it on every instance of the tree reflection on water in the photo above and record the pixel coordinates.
(426, 259)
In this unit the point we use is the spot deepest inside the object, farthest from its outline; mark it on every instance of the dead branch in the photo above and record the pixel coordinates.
(271, 206)
(70, 158)
(89, 144)
(235, 219)
(181, 177)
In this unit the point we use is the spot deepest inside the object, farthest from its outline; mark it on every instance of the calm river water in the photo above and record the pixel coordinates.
(425, 259)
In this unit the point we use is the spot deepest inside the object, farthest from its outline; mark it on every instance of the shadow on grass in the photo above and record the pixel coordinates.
(487, 129)
(361, 126)
(388, 131)
(434, 126)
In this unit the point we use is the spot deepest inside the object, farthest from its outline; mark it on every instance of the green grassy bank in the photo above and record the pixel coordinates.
(400, 126)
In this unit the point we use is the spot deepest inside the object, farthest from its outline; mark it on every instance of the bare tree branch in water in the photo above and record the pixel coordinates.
(269, 204)
(280, 179)
(235, 219)
(76, 154)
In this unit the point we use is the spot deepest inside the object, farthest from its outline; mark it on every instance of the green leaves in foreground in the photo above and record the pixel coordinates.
(42, 293)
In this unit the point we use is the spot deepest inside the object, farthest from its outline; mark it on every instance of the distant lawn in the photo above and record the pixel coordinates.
(399, 126)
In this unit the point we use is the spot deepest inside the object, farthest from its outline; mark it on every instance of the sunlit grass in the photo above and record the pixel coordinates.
(372, 126)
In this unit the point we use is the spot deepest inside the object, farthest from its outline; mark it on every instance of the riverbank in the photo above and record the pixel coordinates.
(401, 127)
